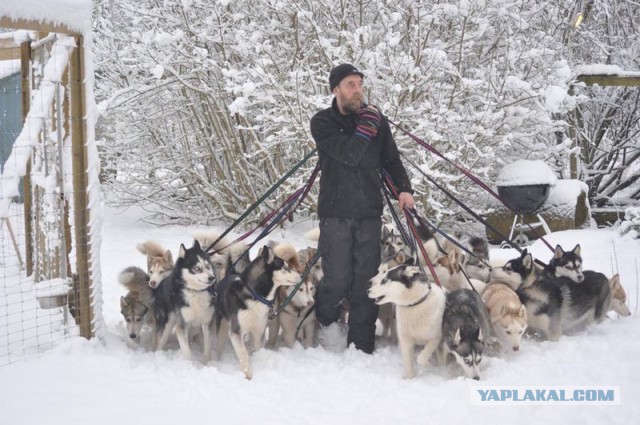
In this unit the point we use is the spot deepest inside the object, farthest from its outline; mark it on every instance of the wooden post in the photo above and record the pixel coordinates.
(80, 186)
(25, 70)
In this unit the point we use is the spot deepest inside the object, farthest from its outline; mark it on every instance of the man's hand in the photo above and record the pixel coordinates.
(405, 199)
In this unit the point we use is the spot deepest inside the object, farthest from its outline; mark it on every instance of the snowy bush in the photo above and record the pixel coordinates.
(631, 223)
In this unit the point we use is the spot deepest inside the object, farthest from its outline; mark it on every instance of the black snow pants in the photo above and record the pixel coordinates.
(350, 250)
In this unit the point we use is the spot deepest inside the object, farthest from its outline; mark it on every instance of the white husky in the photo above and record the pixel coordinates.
(419, 309)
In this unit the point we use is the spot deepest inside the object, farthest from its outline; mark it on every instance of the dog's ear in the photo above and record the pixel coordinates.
(385, 231)
(123, 303)
(576, 250)
(558, 252)
(524, 253)
(527, 261)
(182, 251)
(167, 256)
(523, 312)
(196, 245)
(480, 336)
(268, 254)
(457, 338)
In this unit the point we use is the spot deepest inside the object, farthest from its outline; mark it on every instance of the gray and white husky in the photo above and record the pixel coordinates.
(477, 265)
(392, 243)
(245, 300)
(419, 307)
(185, 299)
(135, 307)
(465, 325)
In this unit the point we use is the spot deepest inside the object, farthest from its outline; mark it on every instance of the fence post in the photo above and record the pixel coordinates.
(25, 71)
(80, 186)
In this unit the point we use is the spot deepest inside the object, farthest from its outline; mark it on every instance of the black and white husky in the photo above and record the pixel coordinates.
(558, 305)
(185, 299)
(465, 325)
(245, 300)
(565, 264)
(419, 307)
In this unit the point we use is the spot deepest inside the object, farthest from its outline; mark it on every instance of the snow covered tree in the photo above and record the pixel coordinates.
(206, 104)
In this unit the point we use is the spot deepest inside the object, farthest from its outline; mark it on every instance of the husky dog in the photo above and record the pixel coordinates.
(137, 303)
(159, 261)
(291, 317)
(557, 306)
(185, 299)
(565, 264)
(507, 314)
(465, 324)
(387, 312)
(618, 297)
(477, 265)
(419, 308)
(392, 243)
(301, 302)
(518, 272)
(226, 258)
(450, 273)
(244, 303)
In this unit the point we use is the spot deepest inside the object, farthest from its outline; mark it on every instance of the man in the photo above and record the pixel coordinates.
(354, 143)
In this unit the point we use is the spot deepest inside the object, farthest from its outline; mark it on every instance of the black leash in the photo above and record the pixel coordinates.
(463, 205)
(262, 198)
(467, 173)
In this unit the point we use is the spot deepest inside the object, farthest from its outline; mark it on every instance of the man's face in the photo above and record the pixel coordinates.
(349, 94)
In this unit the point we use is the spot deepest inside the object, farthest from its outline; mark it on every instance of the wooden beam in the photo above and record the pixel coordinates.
(609, 80)
(25, 69)
(9, 53)
(80, 187)
(23, 24)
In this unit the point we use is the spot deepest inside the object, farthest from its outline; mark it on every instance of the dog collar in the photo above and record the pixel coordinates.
(421, 300)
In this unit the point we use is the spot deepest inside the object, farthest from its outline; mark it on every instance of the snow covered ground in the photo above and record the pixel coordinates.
(105, 381)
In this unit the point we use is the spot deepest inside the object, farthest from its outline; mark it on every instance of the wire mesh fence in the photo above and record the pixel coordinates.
(46, 293)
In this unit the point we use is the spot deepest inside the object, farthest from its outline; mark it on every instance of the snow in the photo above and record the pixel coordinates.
(603, 69)
(105, 381)
(74, 14)
(566, 192)
(16, 164)
(526, 172)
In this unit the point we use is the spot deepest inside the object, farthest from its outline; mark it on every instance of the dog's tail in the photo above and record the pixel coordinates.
(289, 254)
(207, 237)
(151, 248)
(313, 234)
(134, 279)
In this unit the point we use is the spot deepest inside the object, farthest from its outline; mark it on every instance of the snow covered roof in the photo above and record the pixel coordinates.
(73, 14)
(602, 69)
(526, 172)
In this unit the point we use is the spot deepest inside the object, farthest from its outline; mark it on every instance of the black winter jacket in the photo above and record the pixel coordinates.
(350, 185)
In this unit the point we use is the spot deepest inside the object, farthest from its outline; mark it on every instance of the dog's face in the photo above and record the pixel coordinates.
(516, 272)
(510, 326)
(395, 285)
(568, 264)
(477, 267)
(282, 274)
(467, 350)
(134, 313)
(304, 296)
(197, 270)
(392, 244)
(158, 267)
